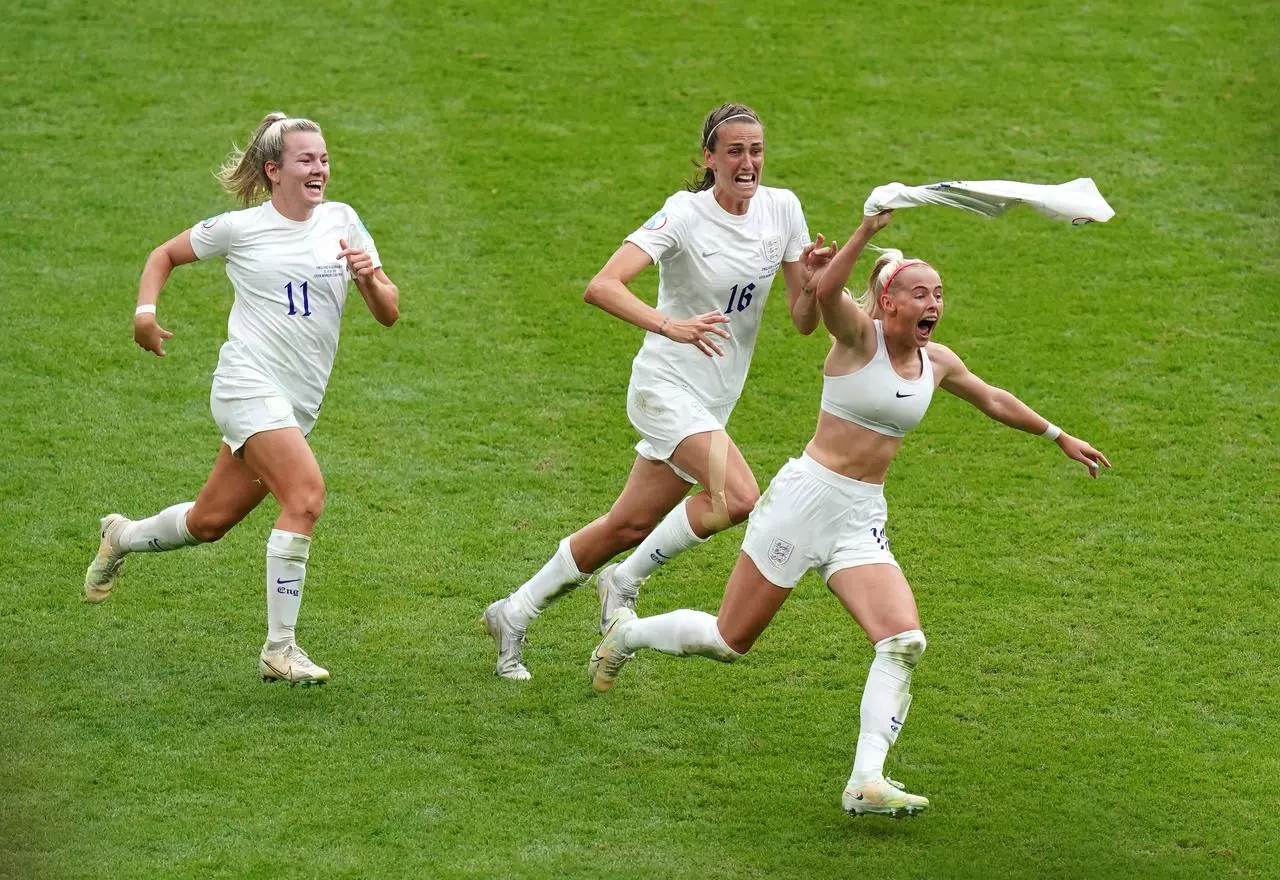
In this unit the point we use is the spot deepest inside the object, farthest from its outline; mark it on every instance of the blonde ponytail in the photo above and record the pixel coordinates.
(243, 174)
(882, 273)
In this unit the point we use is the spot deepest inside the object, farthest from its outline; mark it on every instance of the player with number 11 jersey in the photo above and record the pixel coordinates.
(289, 260)
(290, 289)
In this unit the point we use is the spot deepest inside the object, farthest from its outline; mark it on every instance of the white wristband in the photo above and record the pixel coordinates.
(1052, 432)
(148, 309)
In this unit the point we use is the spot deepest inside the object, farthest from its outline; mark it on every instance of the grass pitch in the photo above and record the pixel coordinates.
(1099, 694)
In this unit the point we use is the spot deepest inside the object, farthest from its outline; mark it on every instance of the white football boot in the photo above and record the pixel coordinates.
(290, 663)
(101, 576)
(611, 595)
(508, 640)
(882, 797)
(611, 654)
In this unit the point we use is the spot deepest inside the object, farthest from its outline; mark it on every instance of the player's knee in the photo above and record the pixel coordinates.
(632, 527)
(207, 527)
(741, 500)
(906, 648)
(734, 649)
(306, 503)
(733, 644)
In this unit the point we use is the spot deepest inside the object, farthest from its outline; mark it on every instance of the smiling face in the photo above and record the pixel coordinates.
(299, 179)
(737, 160)
(912, 305)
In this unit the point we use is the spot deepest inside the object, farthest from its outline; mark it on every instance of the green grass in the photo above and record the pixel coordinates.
(1099, 697)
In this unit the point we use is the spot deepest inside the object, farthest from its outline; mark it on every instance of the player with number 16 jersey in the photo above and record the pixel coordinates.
(718, 248)
(710, 260)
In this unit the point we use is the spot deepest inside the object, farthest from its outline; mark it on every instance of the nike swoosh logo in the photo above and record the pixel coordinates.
(900, 394)
(894, 719)
(281, 581)
(711, 253)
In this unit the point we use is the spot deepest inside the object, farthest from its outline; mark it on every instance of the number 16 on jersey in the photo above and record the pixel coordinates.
(740, 298)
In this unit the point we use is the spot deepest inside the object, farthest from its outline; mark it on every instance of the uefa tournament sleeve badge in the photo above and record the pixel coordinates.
(656, 222)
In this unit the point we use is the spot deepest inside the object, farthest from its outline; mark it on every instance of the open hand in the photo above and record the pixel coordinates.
(1082, 452)
(815, 257)
(148, 333)
(697, 331)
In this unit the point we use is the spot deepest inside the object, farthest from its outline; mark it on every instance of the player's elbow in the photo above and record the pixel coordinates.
(159, 258)
(596, 291)
(805, 324)
(999, 404)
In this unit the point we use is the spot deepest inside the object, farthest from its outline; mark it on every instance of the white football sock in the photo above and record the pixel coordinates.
(167, 530)
(553, 580)
(679, 633)
(286, 573)
(885, 701)
(672, 537)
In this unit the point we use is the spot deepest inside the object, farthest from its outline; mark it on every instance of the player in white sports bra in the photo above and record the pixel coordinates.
(826, 509)
(289, 260)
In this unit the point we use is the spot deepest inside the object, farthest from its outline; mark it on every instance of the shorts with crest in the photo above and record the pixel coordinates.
(812, 517)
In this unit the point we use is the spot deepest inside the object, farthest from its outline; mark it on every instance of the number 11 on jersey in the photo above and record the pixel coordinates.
(306, 302)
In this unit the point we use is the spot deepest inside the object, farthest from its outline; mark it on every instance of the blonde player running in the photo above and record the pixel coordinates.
(289, 260)
(826, 509)
(718, 249)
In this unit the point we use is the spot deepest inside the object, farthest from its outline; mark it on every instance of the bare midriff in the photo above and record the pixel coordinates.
(852, 450)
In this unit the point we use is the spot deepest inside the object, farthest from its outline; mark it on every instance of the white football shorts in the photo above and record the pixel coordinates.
(665, 413)
(239, 418)
(812, 517)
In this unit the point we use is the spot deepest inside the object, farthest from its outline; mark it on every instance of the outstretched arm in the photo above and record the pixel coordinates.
(1002, 406)
(609, 291)
(147, 331)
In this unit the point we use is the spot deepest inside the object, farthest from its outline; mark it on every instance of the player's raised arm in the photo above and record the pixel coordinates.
(800, 276)
(147, 331)
(845, 319)
(1004, 407)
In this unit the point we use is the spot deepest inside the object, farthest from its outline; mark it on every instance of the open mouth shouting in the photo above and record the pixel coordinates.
(924, 328)
(314, 186)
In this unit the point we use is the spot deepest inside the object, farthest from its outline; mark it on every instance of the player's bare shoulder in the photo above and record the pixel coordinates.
(945, 362)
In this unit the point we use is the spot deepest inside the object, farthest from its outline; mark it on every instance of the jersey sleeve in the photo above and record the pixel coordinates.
(358, 236)
(212, 237)
(797, 230)
(662, 233)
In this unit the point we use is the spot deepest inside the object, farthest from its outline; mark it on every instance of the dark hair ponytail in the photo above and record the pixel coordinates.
(706, 178)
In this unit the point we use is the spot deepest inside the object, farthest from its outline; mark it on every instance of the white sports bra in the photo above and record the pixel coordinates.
(876, 397)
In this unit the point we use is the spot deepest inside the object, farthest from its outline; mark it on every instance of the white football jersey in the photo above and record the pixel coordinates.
(709, 260)
(290, 288)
